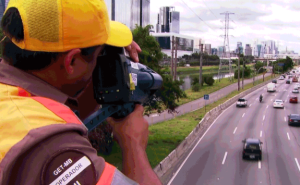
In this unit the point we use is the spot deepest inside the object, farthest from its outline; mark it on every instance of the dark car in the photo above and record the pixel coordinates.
(274, 81)
(252, 149)
(283, 76)
(294, 119)
(294, 99)
(288, 82)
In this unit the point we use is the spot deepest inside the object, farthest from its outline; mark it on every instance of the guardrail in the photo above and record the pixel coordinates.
(198, 131)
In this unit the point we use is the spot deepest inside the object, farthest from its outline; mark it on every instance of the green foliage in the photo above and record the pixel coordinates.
(209, 80)
(247, 72)
(150, 56)
(196, 87)
(258, 66)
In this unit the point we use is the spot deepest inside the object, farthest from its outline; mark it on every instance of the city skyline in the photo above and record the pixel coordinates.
(252, 21)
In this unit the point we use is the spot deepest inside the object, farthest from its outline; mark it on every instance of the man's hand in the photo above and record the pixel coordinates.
(134, 49)
(131, 131)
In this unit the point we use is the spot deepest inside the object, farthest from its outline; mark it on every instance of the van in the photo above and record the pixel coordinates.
(271, 87)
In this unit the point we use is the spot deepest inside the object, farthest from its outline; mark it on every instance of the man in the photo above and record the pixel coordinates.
(49, 55)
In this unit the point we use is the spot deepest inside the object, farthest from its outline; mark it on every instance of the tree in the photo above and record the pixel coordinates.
(150, 56)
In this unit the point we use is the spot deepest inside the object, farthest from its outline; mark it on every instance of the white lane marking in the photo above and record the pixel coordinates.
(243, 115)
(256, 98)
(250, 105)
(288, 135)
(264, 117)
(260, 133)
(285, 100)
(275, 94)
(259, 165)
(297, 164)
(271, 99)
(284, 118)
(224, 158)
(234, 130)
(267, 106)
(201, 140)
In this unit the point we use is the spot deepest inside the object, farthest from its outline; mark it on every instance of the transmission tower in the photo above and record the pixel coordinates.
(226, 48)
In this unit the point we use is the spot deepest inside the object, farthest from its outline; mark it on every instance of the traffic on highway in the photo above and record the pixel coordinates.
(251, 142)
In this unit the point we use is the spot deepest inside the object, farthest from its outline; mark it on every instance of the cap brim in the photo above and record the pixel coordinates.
(120, 35)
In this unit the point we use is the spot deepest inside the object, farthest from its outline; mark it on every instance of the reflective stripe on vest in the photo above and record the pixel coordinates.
(107, 175)
(21, 112)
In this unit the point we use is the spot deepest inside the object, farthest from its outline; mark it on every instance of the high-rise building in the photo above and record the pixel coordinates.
(140, 14)
(214, 51)
(168, 20)
(129, 12)
(239, 48)
(248, 50)
(221, 51)
(207, 48)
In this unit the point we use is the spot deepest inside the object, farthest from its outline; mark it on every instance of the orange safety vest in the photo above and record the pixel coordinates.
(21, 112)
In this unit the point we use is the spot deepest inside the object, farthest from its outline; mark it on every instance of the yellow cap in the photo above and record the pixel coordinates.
(62, 25)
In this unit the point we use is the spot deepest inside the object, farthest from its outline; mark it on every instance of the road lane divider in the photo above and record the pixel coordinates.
(250, 105)
(284, 118)
(259, 165)
(243, 115)
(224, 158)
(260, 133)
(234, 130)
(264, 117)
(297, 164)
(288, 136)
(267, 106)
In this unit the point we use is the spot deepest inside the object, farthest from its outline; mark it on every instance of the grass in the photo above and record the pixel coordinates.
(164, 137)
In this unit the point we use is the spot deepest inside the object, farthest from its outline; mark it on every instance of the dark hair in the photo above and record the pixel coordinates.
(12, 26)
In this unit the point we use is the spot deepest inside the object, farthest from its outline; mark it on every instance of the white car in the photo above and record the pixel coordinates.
(278, 103)
(297, 85)
(295, 91)
(242, 102)
(281, 78)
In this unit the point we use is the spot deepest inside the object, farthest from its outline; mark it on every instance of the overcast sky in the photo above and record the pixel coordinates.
(277, 20)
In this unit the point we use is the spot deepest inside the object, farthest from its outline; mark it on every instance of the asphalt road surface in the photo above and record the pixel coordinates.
(217, 157)
(199, 103)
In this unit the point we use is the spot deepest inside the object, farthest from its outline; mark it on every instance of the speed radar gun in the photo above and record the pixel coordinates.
(119, 84)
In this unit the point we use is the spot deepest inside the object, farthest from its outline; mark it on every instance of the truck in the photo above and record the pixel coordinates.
(271, 87)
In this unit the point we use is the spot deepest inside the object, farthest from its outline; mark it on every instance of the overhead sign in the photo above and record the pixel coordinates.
(280, 64)
(206, 97)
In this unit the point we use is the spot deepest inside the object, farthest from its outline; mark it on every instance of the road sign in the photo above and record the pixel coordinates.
(206, 97)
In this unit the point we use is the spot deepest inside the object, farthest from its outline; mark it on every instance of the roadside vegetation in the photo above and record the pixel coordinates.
(164, 137)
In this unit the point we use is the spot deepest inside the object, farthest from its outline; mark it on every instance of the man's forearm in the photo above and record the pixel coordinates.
(137, 167)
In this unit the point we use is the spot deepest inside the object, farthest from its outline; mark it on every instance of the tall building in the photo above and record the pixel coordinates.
(214, 51)
(168, 20)
(129, 12)
(2, 7)
(239, 48)
(221, 51)
(140, 14)
(248, 50)
(207, 48)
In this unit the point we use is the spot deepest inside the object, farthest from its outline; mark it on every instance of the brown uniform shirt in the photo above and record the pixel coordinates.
(46, 152)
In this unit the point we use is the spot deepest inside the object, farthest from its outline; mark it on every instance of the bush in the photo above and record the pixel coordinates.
(209, 80)
(195, 80)
(196, 88)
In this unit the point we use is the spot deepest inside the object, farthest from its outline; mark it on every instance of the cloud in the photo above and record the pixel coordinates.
(277, 20)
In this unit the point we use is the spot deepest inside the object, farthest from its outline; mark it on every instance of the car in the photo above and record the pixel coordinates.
(295, 79)
(294, 119)
(281, 78)
(295, 91)
(293, 99)
(252, 148)
(278, 104)
(274, 81)
(242, 102)
(297, 85)
(288, 82)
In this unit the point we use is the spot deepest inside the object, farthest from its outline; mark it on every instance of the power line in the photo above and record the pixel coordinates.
(209, 9)
(197, 15)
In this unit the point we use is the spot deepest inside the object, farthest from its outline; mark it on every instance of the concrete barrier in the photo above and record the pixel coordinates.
(208, 118)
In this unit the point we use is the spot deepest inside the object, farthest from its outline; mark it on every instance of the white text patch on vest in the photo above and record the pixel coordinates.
(72, 172)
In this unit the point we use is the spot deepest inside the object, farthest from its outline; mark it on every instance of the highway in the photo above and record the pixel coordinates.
(217, 157)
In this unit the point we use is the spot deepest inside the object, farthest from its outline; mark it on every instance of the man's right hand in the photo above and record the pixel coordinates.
(131, 131)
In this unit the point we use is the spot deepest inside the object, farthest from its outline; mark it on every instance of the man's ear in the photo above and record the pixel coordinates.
(68, 62)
